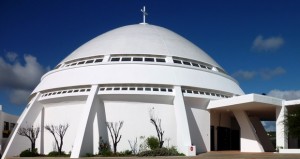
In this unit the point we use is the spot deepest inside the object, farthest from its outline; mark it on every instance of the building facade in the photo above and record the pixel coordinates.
(125, 74)
(7, 124)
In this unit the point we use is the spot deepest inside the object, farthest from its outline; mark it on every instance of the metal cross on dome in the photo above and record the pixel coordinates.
(144, 14)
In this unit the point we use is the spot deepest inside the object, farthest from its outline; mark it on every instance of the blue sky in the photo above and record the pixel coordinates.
(255, 41)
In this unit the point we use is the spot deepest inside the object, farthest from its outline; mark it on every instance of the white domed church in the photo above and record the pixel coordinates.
(123, 74)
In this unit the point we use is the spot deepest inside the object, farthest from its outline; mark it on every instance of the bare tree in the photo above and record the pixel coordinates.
(157, 124)
(114, 130)
(133, 146)
(31, 133)
(59, 130)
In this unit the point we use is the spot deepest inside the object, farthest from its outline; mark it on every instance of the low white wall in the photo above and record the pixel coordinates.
(289, 151)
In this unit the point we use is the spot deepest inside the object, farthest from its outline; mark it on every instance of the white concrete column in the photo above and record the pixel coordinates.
(182, 129)
(83, 142)
(281, 137)
(169, 59)
(106, 58)
(249, 140)
(19, 143)
(42, 131)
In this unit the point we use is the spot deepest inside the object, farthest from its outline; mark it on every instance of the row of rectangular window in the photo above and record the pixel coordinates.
(97, 60)
(143, 59)
(67, 91)
(155, 89)
(178, 61)
(203, 93)
(137, 59)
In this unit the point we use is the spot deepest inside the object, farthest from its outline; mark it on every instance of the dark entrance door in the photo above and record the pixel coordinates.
(235, 140)
(212, 138)
(228, 139)
(223, 138)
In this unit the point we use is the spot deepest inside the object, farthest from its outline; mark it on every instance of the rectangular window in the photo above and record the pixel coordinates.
(202, 66)
(170, 90)
(202, 93)
(149, 59)
(116, 88)
(155, 89)
(140, 89)
(114, 59)
(102, 89)
(163, 89)
(147, 89)
(76, 90)
(82, 90)
(186, 63)
(189, 91)
(64, 92)
(177, 61)
(81, 62)
(89, 61)
(195, 64)
(196, 92)
(70, 91)
(160, 60)
(126, 59)
(58, 92)
(213, 94)
(98, 60)
(137, 59)
(6, 125)
(109, 89)
(124, 89)
(207, 93)
(88, 90)
(132, 88)
(73, 64)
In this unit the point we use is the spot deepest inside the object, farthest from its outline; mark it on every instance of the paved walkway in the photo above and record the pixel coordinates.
(210, 155)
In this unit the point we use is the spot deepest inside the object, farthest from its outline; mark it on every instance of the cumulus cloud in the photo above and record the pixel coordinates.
(245, 75)
(268, 74)
(19, 97)
(287, 95)
(11, 56)
(265, 73)
(20, 79)
(267, 44)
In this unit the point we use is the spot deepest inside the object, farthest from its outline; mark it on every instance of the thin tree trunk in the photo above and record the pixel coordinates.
(115, 148)
(32, 146)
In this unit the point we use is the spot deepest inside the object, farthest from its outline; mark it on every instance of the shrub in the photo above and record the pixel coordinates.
(104, 148)
(28, 153)
(55, 154)
(125, 153)
(152, 142)
(161, 152)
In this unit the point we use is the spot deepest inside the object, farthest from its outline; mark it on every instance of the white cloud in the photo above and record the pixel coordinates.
(19, 97)
(245, 75)
(268, 44)
(11, 56)
(268, 74)
(20, 79)
(265, 73)
(287, 95)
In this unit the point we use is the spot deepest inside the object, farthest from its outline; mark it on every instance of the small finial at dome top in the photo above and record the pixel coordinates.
(144, 15)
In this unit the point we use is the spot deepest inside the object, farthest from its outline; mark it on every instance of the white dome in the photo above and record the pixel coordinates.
(141, 39)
